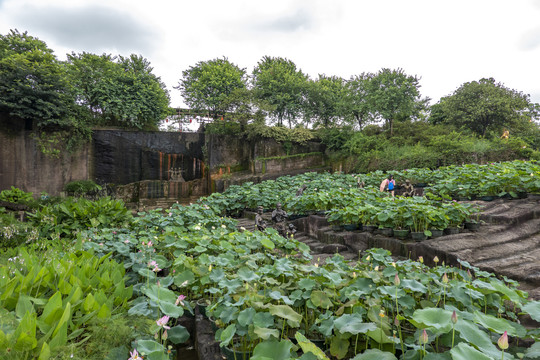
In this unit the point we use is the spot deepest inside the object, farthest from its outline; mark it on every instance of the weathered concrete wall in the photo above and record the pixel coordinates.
(229, 154)
(288, 163)
(123, 157)
(23, 165)
(145, 165)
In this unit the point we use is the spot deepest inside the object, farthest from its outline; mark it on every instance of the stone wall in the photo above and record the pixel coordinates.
(123, 157)
(147, 165)
(284, 164)
(230, 154)
(23, 165)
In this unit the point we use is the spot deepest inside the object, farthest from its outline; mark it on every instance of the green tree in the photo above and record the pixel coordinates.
(486, 106)
(323, 100)
(33, 83)
(209, 85)
(278, 82)
(119, 91)
(358, 105)
(396, 96)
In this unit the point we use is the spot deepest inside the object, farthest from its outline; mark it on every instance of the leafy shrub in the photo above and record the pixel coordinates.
(72, 215)
(335, 138)
(15, 195)
(81, 187)
(279, 133)
(13, 232)
(223, 128)
(64, 294)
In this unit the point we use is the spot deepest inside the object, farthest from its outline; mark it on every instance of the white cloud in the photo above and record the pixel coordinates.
(445, 43)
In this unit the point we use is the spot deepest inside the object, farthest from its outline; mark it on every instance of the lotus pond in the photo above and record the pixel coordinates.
(267, 296)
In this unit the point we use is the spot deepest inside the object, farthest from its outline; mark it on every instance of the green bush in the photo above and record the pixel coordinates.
(72, 215)
(223, 128)
(16, 195)
(280, 133)
(81, 187)
(13, 232)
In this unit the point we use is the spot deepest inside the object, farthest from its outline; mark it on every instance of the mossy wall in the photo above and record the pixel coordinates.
(23, 165)
(149, 159)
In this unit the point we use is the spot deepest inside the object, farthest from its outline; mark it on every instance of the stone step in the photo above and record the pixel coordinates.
(487, 238)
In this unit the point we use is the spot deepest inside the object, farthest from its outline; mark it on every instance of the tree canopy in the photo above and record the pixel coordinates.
(209, 85)
(357, 103)
(485, 106)
(33, 83)
(278, 82)
(324, 100)
(118, 91)
(395, 95)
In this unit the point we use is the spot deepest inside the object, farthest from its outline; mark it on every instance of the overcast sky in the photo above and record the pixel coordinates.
(445, 43)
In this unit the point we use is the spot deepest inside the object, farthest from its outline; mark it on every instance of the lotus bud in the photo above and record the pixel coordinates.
(445, 278)
(396, 280)
(210, 267)
(421, 259)
(354, 274)
(394, 264)
(469, 273)
(396, 321)
(376, 268)
(454, 317)
(503, 341)
(435, 260)
(368, 258)
(165, 335)
(381, 313)
(424, 337)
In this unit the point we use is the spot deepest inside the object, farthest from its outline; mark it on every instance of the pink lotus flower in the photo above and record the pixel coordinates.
(454, 317)
(503, 341)
(424, 337)
(149, 243)
(134, 355)
(163, 322)
(180, 300)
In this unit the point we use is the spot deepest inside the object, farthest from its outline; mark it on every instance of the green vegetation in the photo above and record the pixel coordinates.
(95, 271)
(210, 85)
(15, 195)
(62, 101)
(80, 270)
(370, 121)
(81, 187)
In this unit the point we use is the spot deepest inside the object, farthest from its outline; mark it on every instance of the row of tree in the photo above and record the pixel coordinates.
(90, 90)
(281, 90)
(74, 95)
